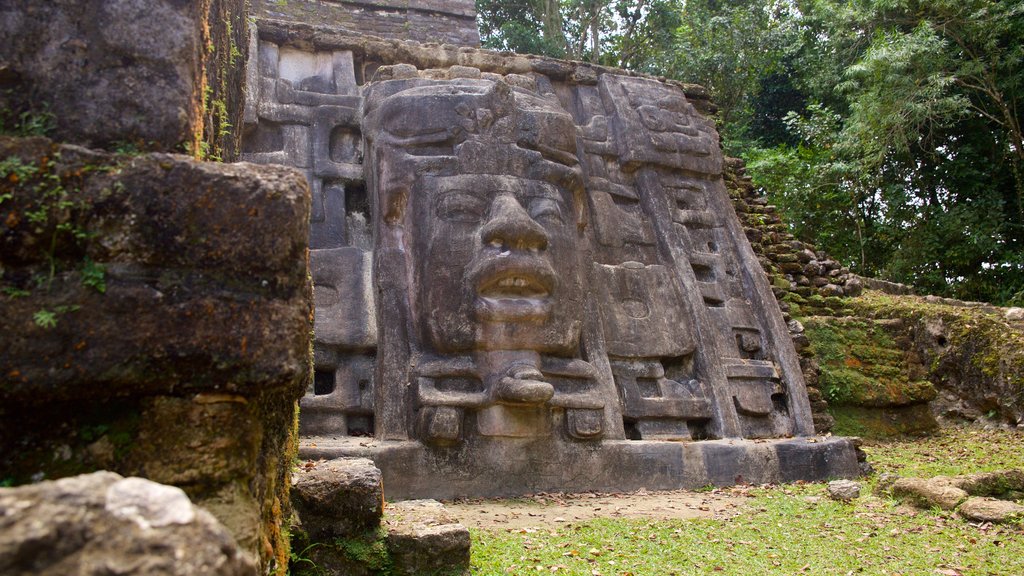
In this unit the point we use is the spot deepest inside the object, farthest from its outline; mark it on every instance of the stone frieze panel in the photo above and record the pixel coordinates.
(519, 257)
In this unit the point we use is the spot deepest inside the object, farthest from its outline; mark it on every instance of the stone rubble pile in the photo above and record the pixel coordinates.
(984, 497)
(344, 527)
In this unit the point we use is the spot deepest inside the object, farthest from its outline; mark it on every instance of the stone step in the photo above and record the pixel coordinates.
(344, 527)
(424, 538)
(338, 498)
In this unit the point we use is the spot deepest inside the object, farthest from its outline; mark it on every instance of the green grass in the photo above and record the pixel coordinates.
(949, 452)
(792, 529)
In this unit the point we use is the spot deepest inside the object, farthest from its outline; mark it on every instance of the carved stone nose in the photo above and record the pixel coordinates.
(510, 227)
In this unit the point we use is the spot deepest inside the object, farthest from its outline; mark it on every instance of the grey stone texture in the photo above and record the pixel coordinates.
(928, 493)
(522, 263)
(981, 497)
(203, 264)
(1003, 483)
(981, 509)
(423, 538)
(157, 74)
(156, 317)
(502, 467)
(444, 22)
(102, 523)
(338, 498)
(844, 490)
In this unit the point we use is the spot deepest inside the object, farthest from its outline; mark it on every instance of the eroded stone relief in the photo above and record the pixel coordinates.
(521, 256)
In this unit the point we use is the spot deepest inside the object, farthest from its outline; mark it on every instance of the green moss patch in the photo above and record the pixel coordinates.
(861, 365)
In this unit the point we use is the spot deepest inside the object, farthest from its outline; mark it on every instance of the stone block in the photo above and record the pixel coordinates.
(185, 443)
(992, 483)
(102, 523)
(158, 273)
(980, 509)
(338, 498)
(843, 490)
(157, 313)
(127, 72)
(345, 314)
(423, 538)
(928, 493)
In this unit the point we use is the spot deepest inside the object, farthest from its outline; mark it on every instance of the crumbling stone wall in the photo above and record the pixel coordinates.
(144, 75)
(888, 361)
(800, 275)
(156, 319)
(438, 21)
(155, 309)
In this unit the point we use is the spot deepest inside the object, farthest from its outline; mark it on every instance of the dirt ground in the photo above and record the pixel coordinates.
(546, 510)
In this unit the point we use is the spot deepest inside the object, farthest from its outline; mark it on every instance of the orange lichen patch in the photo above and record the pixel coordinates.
(852, 362)
(214, 398)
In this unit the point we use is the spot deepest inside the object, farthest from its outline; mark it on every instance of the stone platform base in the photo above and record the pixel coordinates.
(514, 467)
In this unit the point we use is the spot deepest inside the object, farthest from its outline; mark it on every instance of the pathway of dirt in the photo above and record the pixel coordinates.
(547, 510)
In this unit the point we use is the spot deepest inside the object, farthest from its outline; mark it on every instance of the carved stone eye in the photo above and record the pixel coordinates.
(653, 119)
(460, 206)
(546, 210)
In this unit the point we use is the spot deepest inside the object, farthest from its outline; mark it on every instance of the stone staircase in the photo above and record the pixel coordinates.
(343, 526)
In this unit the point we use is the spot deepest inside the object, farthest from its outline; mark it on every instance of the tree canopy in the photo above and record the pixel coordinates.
(887, 131)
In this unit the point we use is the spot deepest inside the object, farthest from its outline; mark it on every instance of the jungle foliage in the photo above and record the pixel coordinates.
(889, 132)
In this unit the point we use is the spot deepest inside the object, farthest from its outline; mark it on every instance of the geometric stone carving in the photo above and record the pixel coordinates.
(508, 261)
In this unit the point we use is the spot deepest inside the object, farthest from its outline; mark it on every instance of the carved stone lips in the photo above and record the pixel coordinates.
(514, 285)
(514, 276)
(513, 288)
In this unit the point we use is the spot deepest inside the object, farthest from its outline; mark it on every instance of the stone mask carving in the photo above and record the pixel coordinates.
(487, 187)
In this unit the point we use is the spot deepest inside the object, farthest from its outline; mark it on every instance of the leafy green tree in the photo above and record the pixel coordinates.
(729, 46)
(923, 160)
(528, 27)
(637, 35)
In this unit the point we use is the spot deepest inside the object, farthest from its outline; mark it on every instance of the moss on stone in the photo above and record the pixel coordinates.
(974, 350)
(861, 364)
(913, 420)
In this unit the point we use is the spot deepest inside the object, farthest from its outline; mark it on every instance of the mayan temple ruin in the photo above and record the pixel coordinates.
(528, 273)
(260, 242)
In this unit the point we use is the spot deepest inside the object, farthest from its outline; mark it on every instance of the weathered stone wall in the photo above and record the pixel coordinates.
(156, 319)
(147, 74)
(887, 361)
(800, 275)
(972, 353)
(443, 22)
(633, 316)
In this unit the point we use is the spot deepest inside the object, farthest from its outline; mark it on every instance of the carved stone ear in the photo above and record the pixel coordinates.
(440, 425)
(500, 99)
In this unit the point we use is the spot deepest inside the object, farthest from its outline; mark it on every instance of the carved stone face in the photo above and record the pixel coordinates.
(496, 263)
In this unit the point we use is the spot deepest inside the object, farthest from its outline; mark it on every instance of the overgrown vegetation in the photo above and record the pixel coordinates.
(367, 552)
(47, 201)
(862, 365)
(977, 345)
(26, 123)
(789, 529)
(889, 132)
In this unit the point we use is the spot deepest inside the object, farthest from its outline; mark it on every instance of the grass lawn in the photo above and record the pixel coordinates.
(791, 529)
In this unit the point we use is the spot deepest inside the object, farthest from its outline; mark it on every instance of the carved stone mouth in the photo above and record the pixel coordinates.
(515, 290)
(513, 285)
